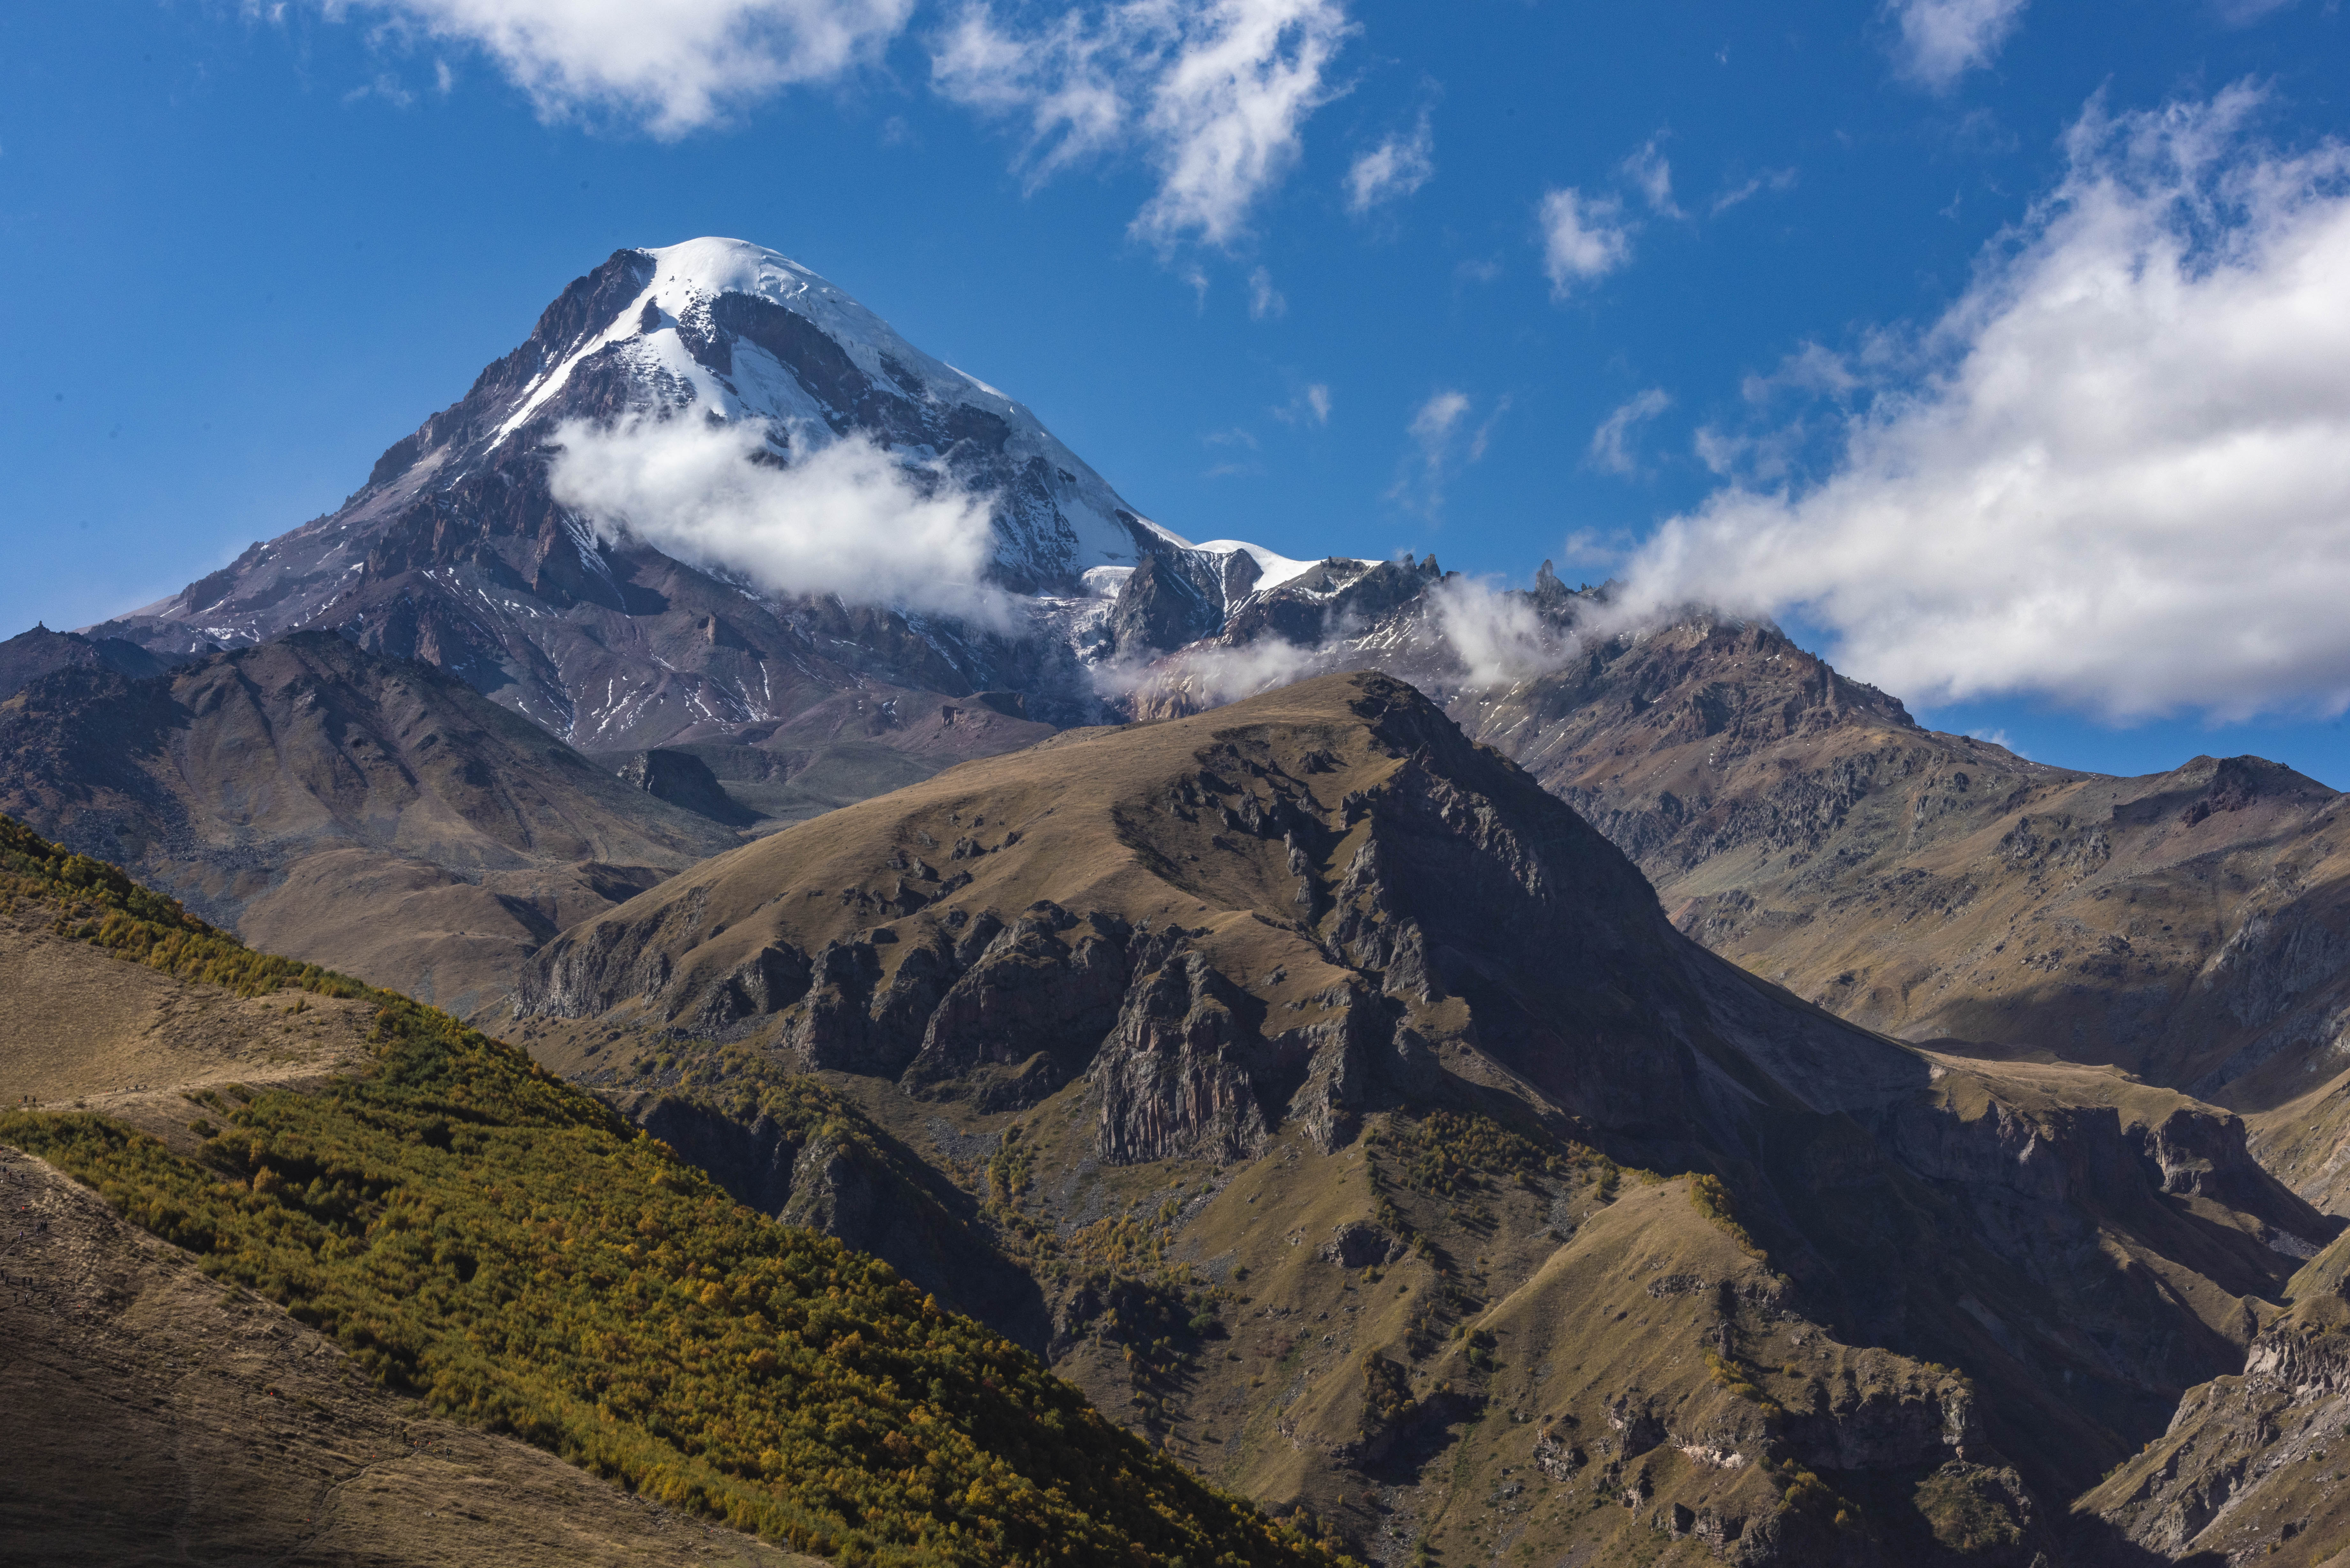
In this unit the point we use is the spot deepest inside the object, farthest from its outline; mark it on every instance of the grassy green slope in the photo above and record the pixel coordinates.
(476, 1231)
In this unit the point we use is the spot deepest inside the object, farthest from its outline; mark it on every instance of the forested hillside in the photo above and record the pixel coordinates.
(477, 1231)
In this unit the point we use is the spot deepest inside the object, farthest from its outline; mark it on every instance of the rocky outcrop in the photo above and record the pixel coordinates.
(1359, 1244)
(30, 655)
(2252, 1464)
(832, 1027)
(1159, 608)
(1048, 984)
(842, 1175)
(1171, 1081)
(683, 780)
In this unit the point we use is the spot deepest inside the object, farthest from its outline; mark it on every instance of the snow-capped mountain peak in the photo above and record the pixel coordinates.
(723, 326)
(459, 551)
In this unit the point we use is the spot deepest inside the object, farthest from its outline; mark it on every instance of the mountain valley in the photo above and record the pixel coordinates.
(1481, 1076)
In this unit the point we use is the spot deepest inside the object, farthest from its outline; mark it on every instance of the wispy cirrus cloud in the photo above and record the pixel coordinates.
(1651, 173)
(1611, 442)
(1310, 406)
(1746, 190)
(1213, 95)
(1265, 301)
(1445, 437)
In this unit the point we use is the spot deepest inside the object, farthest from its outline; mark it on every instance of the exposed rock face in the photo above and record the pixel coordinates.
(2251, 1464)
(683, 780)
(844, 1177)
(2193, 925)
(1158, 610)
(1358, 1245)
(1170, 1081)
(1043, 986)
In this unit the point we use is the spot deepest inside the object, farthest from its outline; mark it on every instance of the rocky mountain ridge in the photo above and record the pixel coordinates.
(376, 815)
(1319, 950)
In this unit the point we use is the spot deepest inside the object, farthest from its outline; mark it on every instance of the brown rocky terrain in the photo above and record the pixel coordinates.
(2253, 1466)
(1372, 1138)
(2191, 926)
(376, 816)
(2184, 925)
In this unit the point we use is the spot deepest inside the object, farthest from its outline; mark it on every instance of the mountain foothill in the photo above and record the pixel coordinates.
(552, 1047)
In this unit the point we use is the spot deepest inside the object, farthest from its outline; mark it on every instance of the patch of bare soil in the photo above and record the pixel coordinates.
(153, 1415)
(81, 1026)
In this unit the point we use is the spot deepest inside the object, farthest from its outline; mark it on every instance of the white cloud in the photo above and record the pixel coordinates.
(1310, 406)
(1209, 675)
(1583, 239)
(1440, 429)
(1393, 169)
(1433, 422)
(1653, 174)
(1809, 369)
(1498, 636)
(2119, 474)
(673, 68)
(1773, 180)
(1265, 300)
(844, 518)
(1611, 447)
(1214, 93)
(1942, 40)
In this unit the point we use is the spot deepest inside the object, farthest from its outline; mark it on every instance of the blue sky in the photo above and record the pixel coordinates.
(1772, 306)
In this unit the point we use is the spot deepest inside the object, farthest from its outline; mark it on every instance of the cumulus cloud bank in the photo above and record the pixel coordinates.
(675, 68)
(2122, 477)
(1213, 93)
(845, 518)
